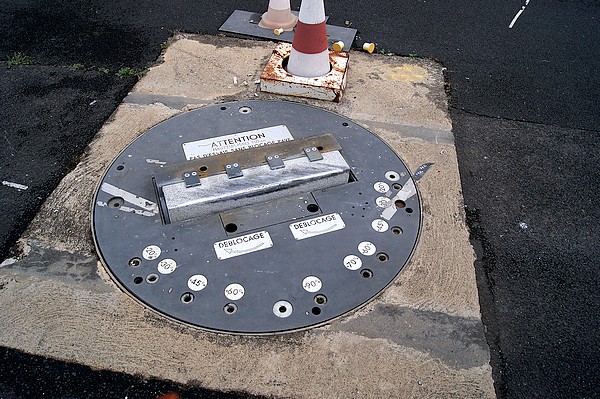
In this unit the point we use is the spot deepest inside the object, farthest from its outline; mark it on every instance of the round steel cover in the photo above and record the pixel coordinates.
(268, 267)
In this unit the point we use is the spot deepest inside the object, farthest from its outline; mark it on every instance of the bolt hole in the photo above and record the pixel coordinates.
(172, 238)
(245, 110)
(282, 309)
(223, 108)
(120, 167)
(138, 280)
(345, 124)
(392, 177)
(397, 230)
(320, 299)
(115, 202)
(320, 148)
(231, 227)
(316, 311)
(152, 278)
(312, 207)
(397, 186)
(366, 273)
(230, 308)
(400, 204)
(187, 297)
(135, 262)
(203, 168)
(409, 210)
(383, 257)
(175, 250)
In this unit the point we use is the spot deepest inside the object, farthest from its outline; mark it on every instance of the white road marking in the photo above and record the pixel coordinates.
(15, 185)
(518, 15)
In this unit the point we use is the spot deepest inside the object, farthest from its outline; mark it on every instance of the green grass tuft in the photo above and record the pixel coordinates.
(18, 58)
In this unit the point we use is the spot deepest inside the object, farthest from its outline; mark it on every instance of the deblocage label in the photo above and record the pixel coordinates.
(243, 245)
(317, 226)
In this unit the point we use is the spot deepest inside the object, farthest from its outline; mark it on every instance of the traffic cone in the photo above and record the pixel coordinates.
(278, 16)
(310, 55)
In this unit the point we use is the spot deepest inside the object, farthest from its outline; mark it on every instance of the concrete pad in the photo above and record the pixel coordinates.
(422, 337)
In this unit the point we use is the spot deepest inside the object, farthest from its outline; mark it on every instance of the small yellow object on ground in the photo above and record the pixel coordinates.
(338, 46)
(369, 47)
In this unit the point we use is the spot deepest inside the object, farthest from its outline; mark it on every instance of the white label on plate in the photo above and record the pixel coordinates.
(236, 142)
(151, 252)
(234, 291)
(243, 245)
(367, 248)
(317, 226)
(383, 202)
(352, 262)
(381, 187)
(380, 225)
(312, 284)
(197, 282)
(167, 266)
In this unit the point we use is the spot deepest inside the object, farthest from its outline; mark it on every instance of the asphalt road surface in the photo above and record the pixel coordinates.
(525, 109)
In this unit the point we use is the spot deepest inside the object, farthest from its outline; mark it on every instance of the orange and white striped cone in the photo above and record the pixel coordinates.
(278, 16)
(310, 54)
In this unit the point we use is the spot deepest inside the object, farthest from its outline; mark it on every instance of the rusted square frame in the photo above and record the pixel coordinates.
(329, 87)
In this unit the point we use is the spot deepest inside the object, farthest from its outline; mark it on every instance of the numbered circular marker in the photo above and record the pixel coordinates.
(151, 252)
(197, 282)
(383, 202)
(234, 292)
(312, 284)
(381, 187)
(352, 262)
(167, 266)
(367, 248)
(380, 225)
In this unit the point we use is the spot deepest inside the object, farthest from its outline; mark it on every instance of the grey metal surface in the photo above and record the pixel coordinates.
(254, 185)
(246, 23)
(270, 266)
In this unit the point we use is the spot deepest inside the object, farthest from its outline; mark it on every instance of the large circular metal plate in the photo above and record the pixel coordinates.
(190, 271)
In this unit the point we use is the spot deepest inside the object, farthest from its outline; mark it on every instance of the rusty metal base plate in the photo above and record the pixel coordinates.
(330, 87)
(270, 266)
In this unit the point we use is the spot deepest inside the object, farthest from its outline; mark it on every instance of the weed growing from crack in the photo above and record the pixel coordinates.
(386, 52)
(18, 58)
(127, 72)
(76, 67)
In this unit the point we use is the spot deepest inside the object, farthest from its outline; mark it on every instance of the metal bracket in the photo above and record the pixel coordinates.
(233, 170)
(191, 179)
(420, 172)
(275, 161)
(313, 154)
